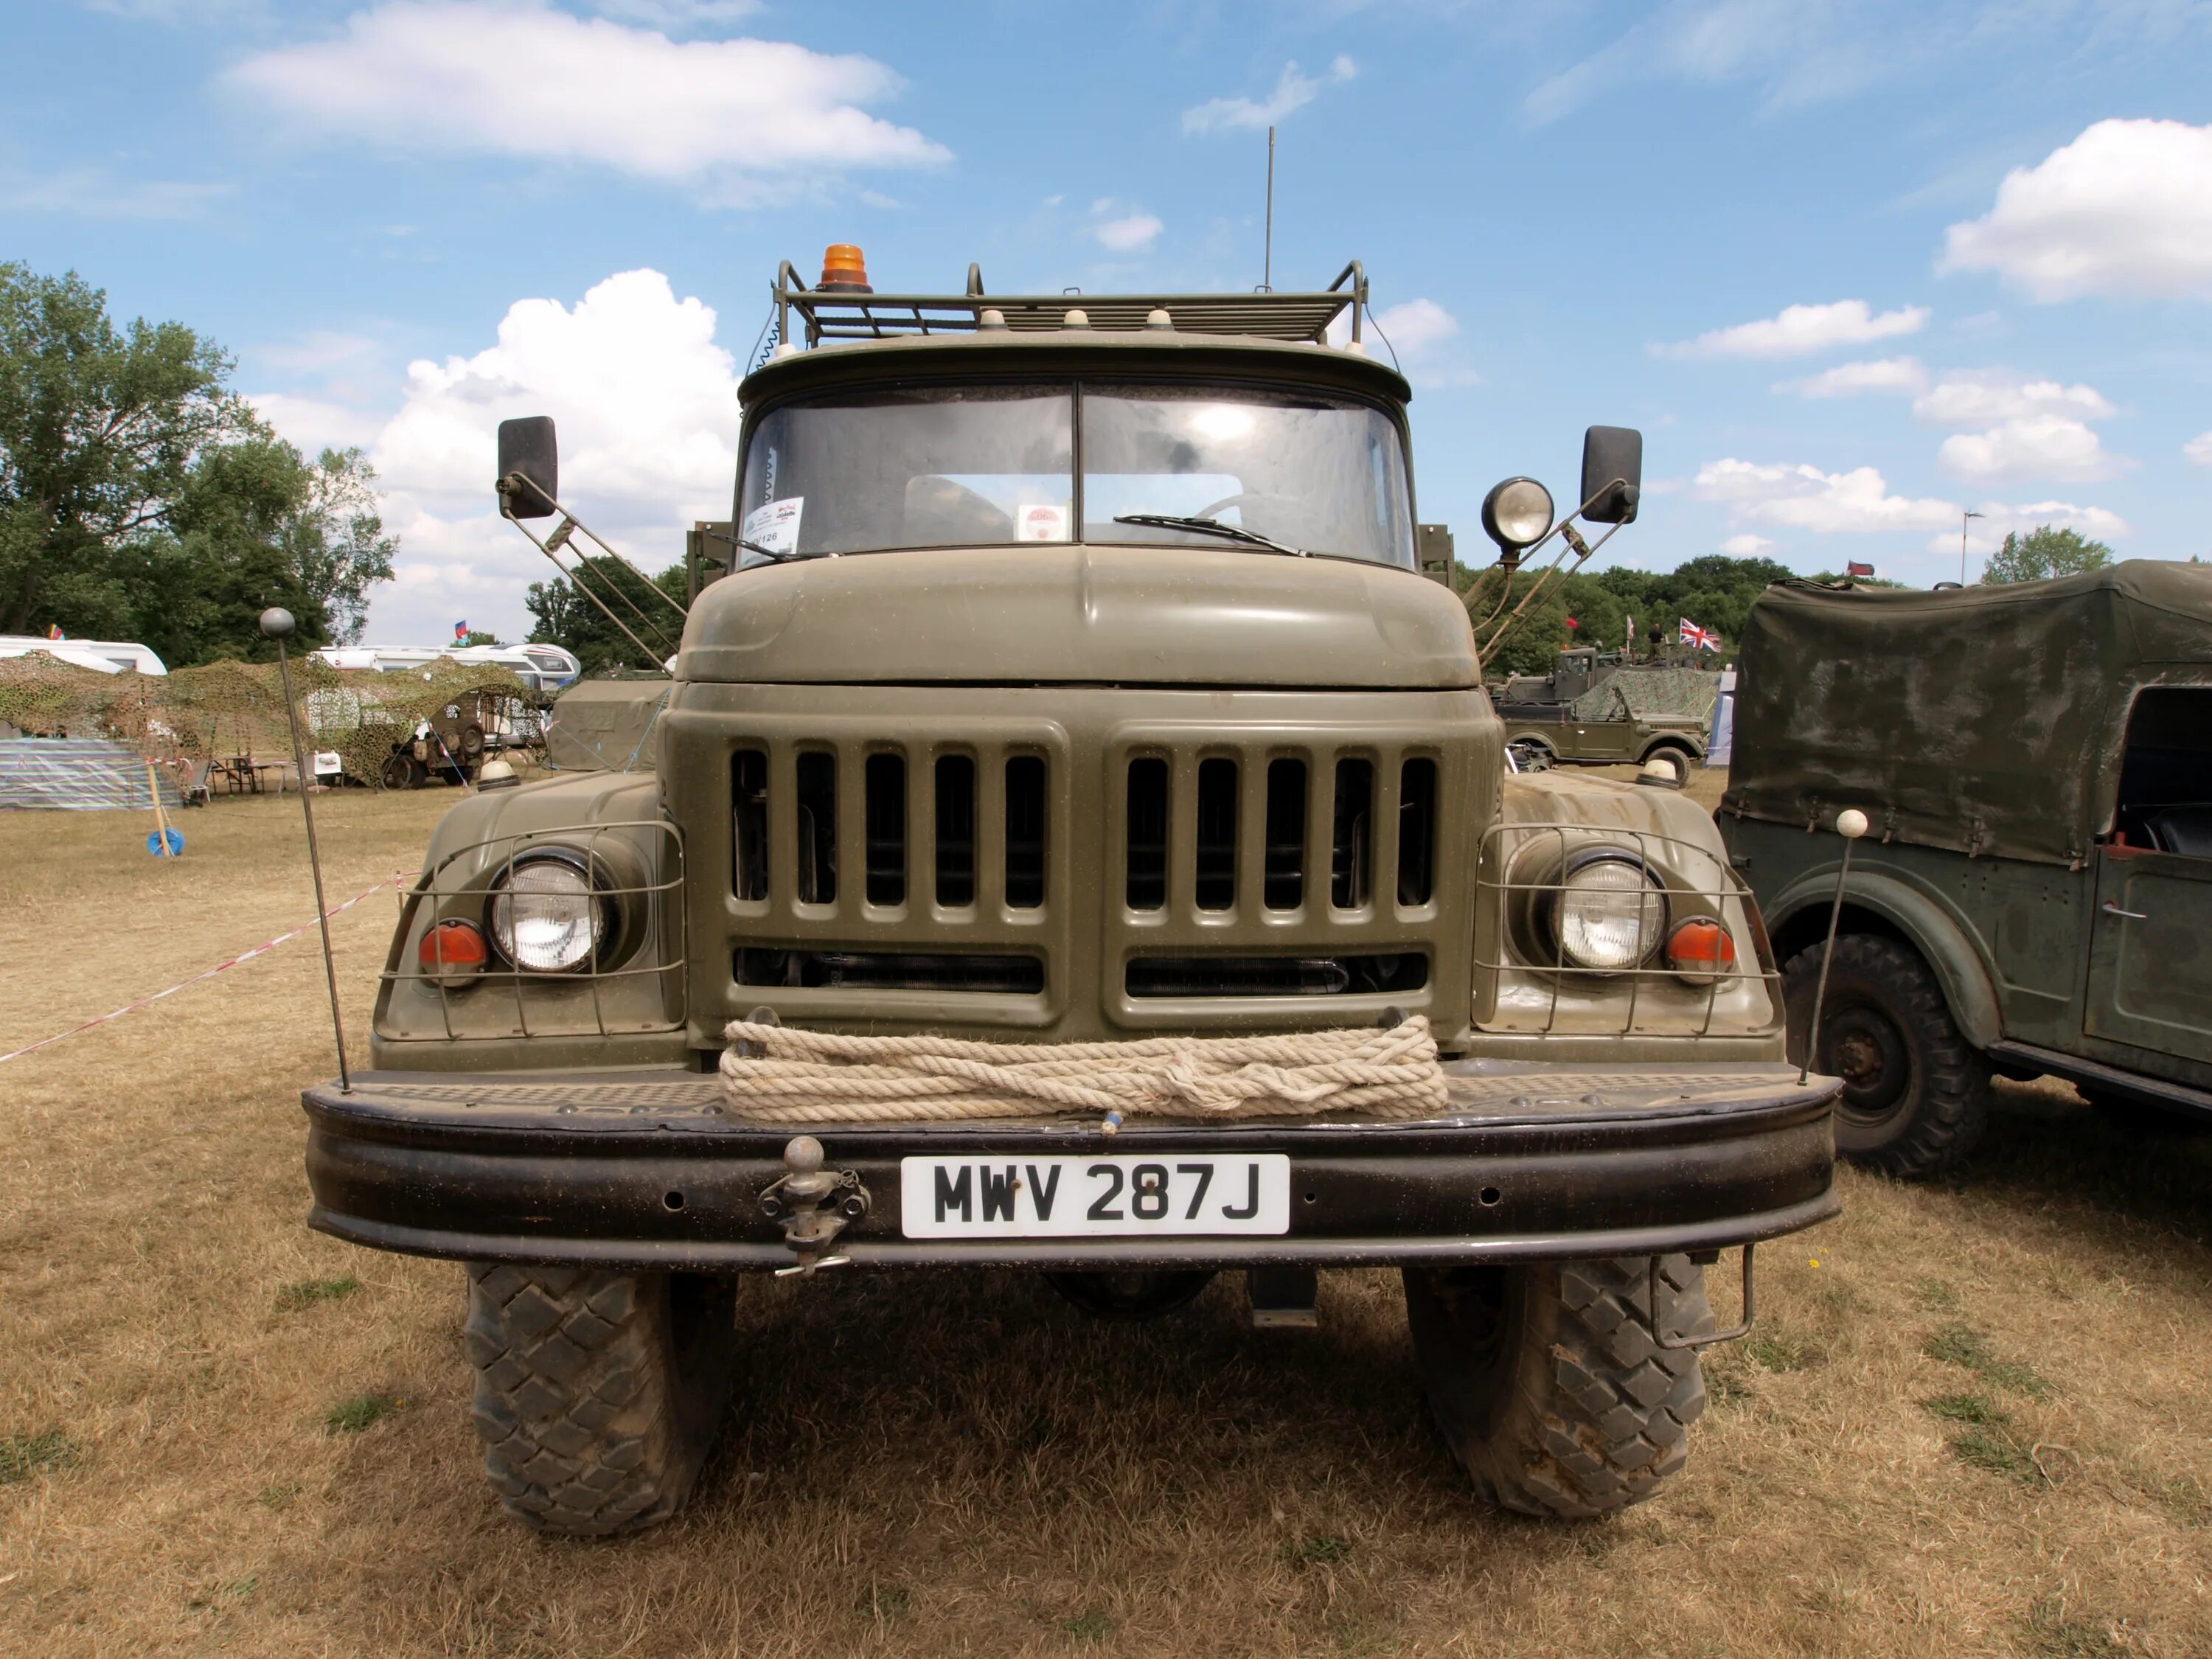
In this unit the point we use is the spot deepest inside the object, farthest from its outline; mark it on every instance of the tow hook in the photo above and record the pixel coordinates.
(813, 1203)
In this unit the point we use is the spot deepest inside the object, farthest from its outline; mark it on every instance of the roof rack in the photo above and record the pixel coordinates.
(1263, 314)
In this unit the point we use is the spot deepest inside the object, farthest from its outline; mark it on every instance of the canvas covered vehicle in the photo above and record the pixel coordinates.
(1078, 840)
(1594, 710)
(2035, 891)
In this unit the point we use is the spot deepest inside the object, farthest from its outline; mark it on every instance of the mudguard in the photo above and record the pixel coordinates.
(1930, 925)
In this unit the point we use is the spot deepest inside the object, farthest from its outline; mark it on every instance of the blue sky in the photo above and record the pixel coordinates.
(1854, 268)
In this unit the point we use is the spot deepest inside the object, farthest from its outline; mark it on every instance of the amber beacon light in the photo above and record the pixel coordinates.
(845, 269)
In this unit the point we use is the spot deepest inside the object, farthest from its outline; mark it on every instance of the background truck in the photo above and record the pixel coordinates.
(2034, 896)
(1594, 710)
(1079, 701)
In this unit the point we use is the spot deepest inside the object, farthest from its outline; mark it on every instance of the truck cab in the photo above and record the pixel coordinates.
(1077, 700)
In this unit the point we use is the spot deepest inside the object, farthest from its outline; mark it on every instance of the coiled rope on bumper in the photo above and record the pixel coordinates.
(777, 1074)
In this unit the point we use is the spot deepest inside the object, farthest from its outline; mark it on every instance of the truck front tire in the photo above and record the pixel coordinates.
(1547, 1383)
(1916, 1093)
(597, 1394)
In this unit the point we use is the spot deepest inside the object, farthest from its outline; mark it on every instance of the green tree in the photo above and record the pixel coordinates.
(1714, 591)
(562, 615)
(477, 636)
(141, 498)
(2044, 551)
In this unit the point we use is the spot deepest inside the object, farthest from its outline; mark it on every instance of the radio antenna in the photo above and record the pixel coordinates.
(1267, 247)
(277, 624)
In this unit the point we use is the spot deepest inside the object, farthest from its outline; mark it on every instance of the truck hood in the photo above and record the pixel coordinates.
(1119, 615)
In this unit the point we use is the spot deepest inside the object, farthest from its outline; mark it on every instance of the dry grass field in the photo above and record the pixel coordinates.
(1974, 1419)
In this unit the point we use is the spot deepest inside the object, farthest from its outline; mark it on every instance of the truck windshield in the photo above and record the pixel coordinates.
(989, 465)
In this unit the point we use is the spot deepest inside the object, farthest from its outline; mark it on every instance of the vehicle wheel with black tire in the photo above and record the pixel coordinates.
(1678, 758)
(1547, 1383)
(399, 772)
(1916, 1093)
(597, 1394)
(1529, 755)
(472, 743)
(1132, 1296)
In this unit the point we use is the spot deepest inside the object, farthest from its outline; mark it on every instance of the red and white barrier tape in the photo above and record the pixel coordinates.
(262, 949)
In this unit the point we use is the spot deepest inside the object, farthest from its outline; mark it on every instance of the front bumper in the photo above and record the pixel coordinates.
(643, 1170)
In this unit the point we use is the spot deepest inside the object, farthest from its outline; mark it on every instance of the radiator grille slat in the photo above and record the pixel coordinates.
(1213, 883)
(886, 828)
(1284, 883)
(955, 815)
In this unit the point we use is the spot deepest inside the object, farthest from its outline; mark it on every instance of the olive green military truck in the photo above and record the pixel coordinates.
(1078, 697)
(2034, 893)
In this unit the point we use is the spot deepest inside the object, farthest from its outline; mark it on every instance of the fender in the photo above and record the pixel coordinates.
(1690, 743)
(1930, 925)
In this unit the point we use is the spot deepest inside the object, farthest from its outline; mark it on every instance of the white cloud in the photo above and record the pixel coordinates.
(92, 193)
(678, 13)
(314, 424)
(2126, 209)
(2199, 449)
(2036, 428)
(1745, 546)
(1986, 534)
(645, 404)
(1805, 498)
(1418, 331)
(1132, 234)
(1800, 331)
(744, 121)
(1416, 326)
(1854, 380)
(1294, 91)
(2032, 447)
(1968, 396)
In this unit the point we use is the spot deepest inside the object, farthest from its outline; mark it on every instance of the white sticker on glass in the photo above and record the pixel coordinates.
(1040, 521)
(774, 525)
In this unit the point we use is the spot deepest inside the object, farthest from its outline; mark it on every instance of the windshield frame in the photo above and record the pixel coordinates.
(1114, 378)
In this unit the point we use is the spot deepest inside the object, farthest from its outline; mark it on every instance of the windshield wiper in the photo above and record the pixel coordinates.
(1209, 526)
(769, 553)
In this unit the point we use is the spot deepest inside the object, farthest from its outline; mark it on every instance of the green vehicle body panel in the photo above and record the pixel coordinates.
(1985, 733)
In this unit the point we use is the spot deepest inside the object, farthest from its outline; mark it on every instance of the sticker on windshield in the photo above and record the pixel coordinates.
(1041, 522)
(774, 525)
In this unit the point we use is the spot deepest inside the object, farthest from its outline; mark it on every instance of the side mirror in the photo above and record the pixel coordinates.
(1613, 473)
(529, 468)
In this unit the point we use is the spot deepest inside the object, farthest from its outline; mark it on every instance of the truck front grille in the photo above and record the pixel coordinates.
(891, 971)
(1092, 864)
(1277, 976)
(1271, 868)
(893, 843)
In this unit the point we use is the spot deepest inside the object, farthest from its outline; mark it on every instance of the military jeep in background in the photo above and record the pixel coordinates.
(1080, 681)
(1594, 710)
(2033, 896)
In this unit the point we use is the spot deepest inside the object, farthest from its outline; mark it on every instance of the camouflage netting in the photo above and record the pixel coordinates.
(229, 708)
(1643, 693)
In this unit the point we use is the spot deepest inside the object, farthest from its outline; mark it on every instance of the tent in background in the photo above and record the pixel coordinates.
(78, 774)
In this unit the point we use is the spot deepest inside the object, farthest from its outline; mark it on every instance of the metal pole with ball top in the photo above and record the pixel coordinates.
(1851, 825)
(277, 624)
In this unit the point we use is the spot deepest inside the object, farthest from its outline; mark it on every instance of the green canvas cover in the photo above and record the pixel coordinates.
(1646, 693)
(1988, 720)
(605, 725)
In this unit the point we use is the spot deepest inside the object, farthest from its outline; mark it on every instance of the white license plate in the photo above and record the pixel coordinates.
(1165, 1196)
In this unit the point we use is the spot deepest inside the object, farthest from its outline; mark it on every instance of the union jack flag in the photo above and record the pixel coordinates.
(1703, 638)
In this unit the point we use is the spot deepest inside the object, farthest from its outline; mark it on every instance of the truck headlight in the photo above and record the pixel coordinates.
(547, 915)
(1609, 913)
